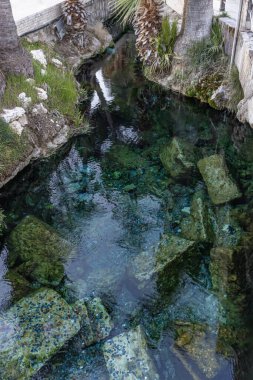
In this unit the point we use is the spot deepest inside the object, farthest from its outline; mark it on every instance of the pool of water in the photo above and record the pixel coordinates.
(110, 196)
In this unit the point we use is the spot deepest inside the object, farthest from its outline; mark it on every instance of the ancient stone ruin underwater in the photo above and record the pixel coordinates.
(127, 255)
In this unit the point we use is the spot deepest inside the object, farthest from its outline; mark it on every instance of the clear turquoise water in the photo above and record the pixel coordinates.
(109, 194)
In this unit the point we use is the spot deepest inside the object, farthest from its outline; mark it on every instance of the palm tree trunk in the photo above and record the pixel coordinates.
(8, 30)
(13, 58)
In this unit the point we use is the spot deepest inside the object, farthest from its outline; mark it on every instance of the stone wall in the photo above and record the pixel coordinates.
(244, 63)
(232, 8)
(176, 5)
(98, 10)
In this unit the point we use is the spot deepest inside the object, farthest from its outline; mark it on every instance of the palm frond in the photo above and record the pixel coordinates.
(125, 10)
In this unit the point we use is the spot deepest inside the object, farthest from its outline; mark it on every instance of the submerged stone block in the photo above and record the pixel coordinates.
(40, 249)
(199, 341)
(32, 331)
(127, 357)
(171, 251)
(99, 318)
(221, 267)
(221, 187)
(96, 322)
(199, 225)
(179, 158)
(20, 286)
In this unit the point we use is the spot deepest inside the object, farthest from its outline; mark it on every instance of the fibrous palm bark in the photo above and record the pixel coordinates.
(13, 59)
(146, 18)
(147, 25)
(75, 15)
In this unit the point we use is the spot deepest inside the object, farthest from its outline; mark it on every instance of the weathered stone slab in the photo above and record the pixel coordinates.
(200, 343)
(99, 318)
(221, 268)
(221, 187)
(32, 331)
(127, 357)
(198, 226)
(170, 252)
(179, 158)
(40, 249)
(96, 322)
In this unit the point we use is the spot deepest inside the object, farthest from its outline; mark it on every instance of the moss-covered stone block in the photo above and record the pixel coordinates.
(96, 323)
(226, 227)
(20, 286)
(40, 250)
(221, 267)
(220, 185)
(127, 357)
(32, 331)
(199, 341)
(199, 225)
(179, 158)
(99, 318)
(163, 264)
(45, 272)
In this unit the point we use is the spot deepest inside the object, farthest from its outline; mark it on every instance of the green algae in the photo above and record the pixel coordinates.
(179, 158)
(40, 249)
(199, 225)
(220, 185)
(32, 331)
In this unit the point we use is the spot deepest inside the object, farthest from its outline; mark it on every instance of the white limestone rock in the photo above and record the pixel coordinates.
(23, 120)
(57, 63)
(24, 100)
(39, 56)
(127, 358)
(31, 81)
(39, 109)
(43, 72)
(17, 127)
(10, 115)
(42, 94)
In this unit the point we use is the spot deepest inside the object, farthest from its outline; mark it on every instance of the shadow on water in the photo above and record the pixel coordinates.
(110, 196)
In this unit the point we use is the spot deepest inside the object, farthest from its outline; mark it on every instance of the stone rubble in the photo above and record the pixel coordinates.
(9, 115)
(24, 99)
(42, 94)
(39, 56)
(127, 357)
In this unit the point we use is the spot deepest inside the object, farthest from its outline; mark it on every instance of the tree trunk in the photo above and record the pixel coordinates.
(8, 30)
(197, 22)
(13, 58)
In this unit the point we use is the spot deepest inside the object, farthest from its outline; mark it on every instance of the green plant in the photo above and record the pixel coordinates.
(165, 43)
(14, 86)
(13, 148)
(125, 10)
(207, 55)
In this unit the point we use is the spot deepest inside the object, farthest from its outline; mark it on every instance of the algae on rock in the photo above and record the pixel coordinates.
(96, 323)
(127, 357)
(167, 257)
(198, 226)
(20, 286)
(200, 343)
(32, 331)
(221, 187)
(179, 158)
(40, 249)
